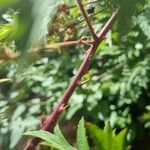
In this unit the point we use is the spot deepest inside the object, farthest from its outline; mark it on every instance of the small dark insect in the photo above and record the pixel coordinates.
(91, 9)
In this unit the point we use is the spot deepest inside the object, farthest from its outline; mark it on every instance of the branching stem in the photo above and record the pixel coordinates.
(10, 55)
(62, 44)
(94, 36)
(51, 121)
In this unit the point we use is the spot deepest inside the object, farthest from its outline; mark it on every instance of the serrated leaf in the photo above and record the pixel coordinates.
(144, 22)
(86, 77)
(6, 31)
(82, 143)
(119, 142)
(43, 13)
(108, 136)
(106, 139)
(19, 110)
(62, 139)
(16, 135)
(17, 128)
(97, 135)
(49, 138)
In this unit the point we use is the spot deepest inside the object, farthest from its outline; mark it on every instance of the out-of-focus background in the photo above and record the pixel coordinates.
(32, 80)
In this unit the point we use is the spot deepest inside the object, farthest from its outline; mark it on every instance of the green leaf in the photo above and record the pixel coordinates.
(43, 14)
(58, 141)
(82, 143)
(86, 77)
(55, 140)
(107, 133)
(50, 139)
(106, 139)
(6, 31)
(119, 142)
(19, 110)
(17, 128)
(144, 22)
(16, 135)
(62, 139)
(97, 135)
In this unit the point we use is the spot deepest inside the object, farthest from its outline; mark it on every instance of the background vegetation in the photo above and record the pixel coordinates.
(33, 80)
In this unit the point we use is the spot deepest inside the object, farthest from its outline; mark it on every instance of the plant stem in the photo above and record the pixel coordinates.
(62, 44)
(94, 36)
(76, 22)
(51, 121)
(10, 55)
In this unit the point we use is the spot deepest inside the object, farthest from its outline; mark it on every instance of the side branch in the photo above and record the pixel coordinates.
(51, 121)
(9, 55)
(87, 20)
(63, 44)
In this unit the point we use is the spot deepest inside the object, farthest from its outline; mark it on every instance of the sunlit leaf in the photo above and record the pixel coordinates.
(144, 22)
(55, 140)
(82, 143)
(62, 139)
(43, 13)
(106, 139)
(50, 138)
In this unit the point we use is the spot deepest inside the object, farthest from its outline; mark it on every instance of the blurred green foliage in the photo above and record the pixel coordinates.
(117, 87)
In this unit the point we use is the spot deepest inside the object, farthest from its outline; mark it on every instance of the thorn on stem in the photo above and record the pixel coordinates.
(43, 118)
(63, 107)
